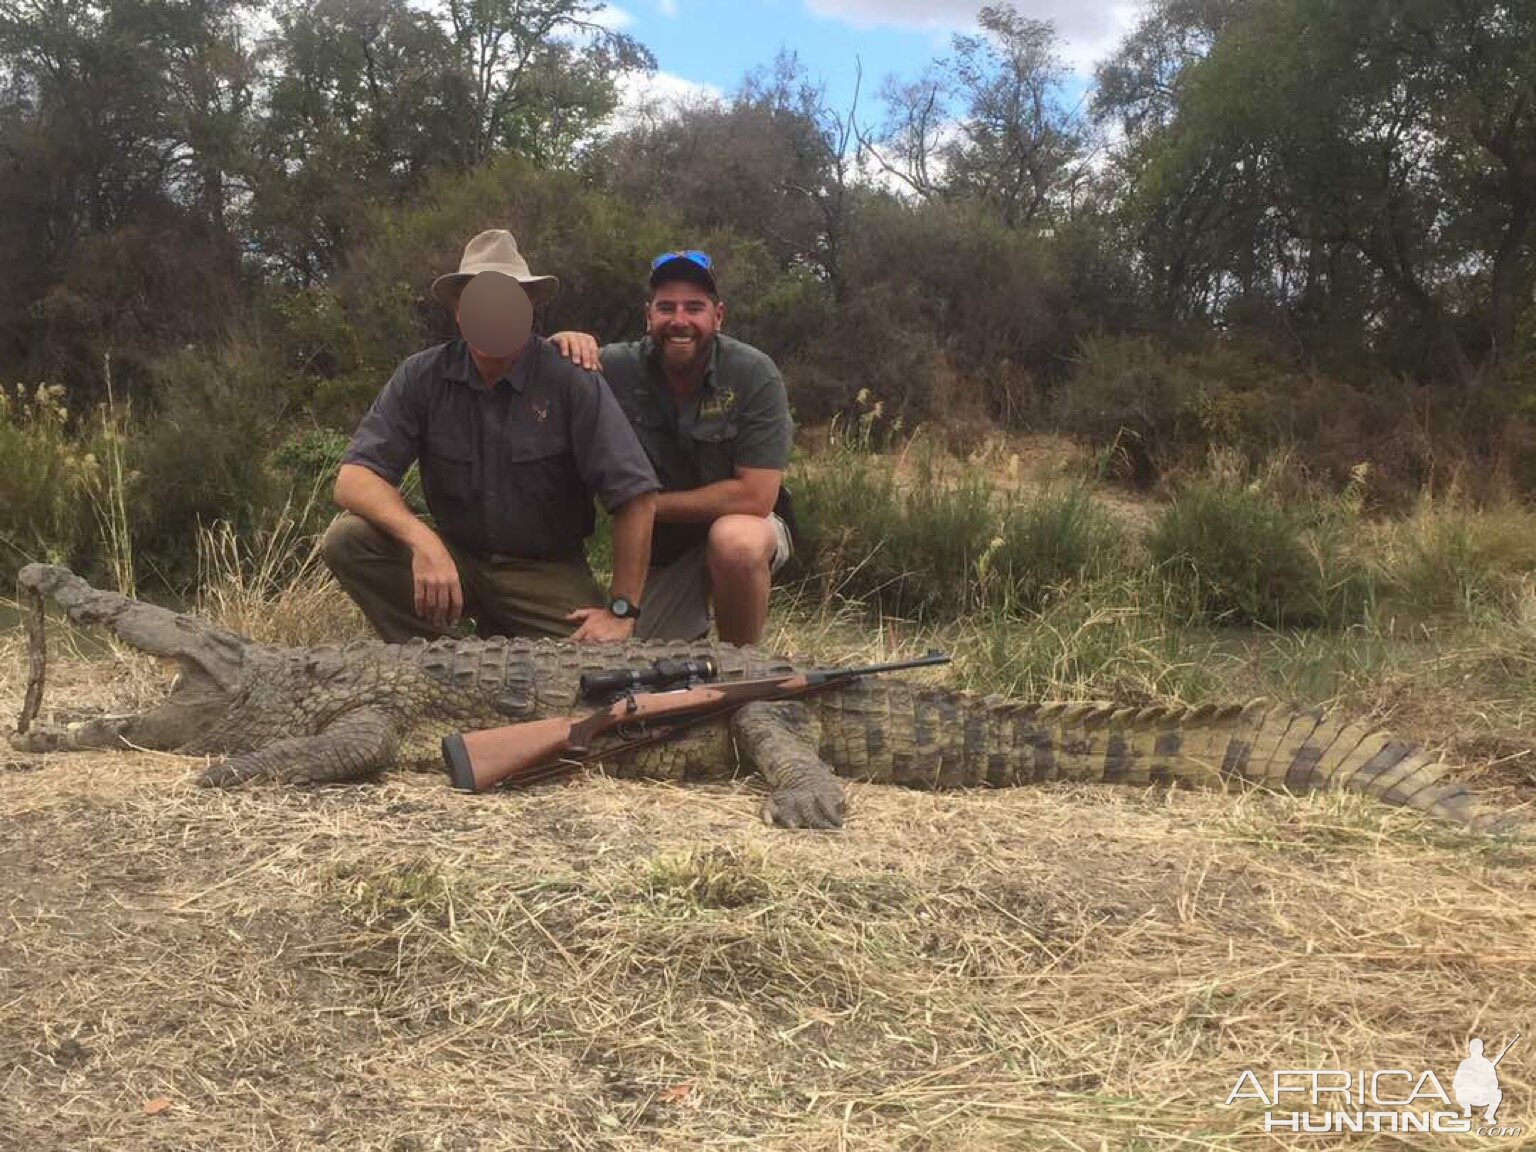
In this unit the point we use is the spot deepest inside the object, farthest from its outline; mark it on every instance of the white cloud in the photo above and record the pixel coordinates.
(668, 7)
(898, 13)
(613, 18)
(1088, 29)
(659, 96)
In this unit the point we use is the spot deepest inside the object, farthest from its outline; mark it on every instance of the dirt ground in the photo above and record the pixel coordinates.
(619, 965)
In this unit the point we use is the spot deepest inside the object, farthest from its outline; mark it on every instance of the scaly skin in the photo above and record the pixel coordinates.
(324, 715)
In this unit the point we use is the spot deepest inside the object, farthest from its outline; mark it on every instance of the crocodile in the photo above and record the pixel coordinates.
(340, 713)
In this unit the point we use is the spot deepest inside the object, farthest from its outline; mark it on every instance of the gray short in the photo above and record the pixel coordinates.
(676, 601)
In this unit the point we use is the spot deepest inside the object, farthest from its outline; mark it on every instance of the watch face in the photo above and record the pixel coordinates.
(620, 607)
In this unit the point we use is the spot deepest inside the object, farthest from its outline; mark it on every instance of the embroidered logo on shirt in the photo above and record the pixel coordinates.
(717, 404)
(541, 411)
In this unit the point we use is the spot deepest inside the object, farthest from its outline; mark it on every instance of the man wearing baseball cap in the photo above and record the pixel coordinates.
(713, 417)
(514, 441)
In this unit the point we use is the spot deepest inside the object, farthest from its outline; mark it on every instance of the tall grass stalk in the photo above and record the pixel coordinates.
(109, 491)
(272, 585)
(1105, 639)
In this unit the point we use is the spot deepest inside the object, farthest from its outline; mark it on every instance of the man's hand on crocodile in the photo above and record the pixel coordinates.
(439, 595)
(600, 626)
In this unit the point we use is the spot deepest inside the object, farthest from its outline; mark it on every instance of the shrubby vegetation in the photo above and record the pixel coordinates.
(1224, 248)
(46, 477)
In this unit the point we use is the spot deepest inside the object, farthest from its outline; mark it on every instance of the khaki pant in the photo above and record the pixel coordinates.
(676, 601)
(504, 596)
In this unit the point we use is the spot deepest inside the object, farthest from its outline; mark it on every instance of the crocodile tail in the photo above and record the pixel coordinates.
(931, 738)
(1281, 749)
(1311, 751)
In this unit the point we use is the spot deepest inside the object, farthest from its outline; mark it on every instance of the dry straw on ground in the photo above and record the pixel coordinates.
(617, 965)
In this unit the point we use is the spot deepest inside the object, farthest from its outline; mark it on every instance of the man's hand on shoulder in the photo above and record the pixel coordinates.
(600, 626)
(439, 595)
(578, 347)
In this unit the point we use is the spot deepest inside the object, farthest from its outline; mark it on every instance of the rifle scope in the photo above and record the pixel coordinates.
(615, 682)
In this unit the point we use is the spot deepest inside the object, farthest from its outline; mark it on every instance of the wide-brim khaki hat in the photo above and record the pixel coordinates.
(494, 251)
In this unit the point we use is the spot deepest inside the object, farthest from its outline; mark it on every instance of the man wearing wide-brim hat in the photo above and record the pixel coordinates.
(514, 442)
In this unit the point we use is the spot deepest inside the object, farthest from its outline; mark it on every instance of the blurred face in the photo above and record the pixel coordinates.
(495, 315)
(682, 321)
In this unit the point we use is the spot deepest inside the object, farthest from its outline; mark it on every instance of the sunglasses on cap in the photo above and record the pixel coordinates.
(691, 254)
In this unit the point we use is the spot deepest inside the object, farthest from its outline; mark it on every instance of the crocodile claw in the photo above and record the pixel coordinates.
(812, 804)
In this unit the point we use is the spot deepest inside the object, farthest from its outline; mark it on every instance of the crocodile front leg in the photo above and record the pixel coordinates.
(779, 740)
(354, 745)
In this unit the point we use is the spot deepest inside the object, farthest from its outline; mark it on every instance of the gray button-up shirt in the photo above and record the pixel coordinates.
(510, 469)
(739, 417)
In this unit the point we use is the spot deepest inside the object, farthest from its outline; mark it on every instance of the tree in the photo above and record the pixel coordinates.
(120, 121)
(541, 73)
(371, 97)
(1376, 158)
(769, 162)
(827, 159)
(992, 123)
(364, 103)
(1138, 85)
(1020, 136)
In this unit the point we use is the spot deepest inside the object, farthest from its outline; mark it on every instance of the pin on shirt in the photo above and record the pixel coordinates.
(718, 404)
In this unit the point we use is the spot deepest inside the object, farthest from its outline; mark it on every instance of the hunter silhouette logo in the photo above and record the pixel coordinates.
(1339, 1100)
(1476, 1084)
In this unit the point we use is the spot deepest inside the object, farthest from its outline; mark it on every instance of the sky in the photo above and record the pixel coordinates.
(707, 46)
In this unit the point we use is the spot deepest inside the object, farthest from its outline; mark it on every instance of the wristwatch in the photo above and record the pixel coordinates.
(624, 609)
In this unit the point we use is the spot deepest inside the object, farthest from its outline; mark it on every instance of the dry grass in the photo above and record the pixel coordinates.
(274, 586)
(618, 965)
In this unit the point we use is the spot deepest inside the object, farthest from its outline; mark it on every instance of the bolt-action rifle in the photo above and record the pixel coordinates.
(539, 750)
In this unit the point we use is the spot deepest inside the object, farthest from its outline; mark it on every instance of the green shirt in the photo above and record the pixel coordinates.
(738, 418)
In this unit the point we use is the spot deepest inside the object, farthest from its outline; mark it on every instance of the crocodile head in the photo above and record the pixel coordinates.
(211, 662)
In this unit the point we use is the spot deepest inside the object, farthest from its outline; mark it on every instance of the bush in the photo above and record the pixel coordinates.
(202, 456)
(1147, 408)
(903, 544)
(598, 248)
(882, 344)
(45, 479)
(921, 536)
(1047, 543)
(1450, 559)
(1230, 554)
(971, 289)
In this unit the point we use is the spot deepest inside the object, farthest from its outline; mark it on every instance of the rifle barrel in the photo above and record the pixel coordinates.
(827, 675)
(1505, 1053)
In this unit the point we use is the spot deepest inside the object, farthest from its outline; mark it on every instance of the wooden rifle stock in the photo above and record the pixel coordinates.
(539, 750)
